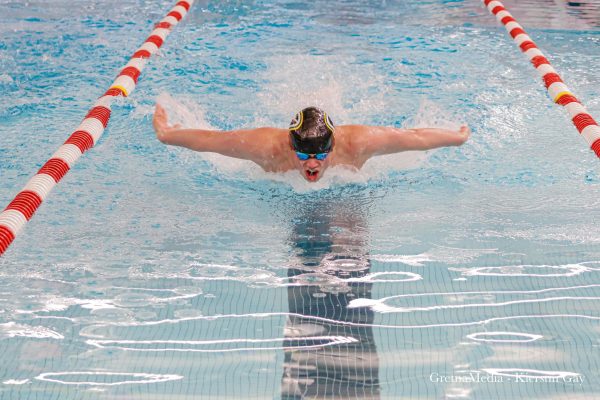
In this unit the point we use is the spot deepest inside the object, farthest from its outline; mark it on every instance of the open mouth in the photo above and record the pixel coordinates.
(311, 175)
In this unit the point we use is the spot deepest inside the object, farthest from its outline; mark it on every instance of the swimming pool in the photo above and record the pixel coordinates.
(155, 272)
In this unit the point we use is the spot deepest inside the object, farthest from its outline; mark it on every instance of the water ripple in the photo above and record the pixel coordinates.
(501, 337)
(204, 346)
(11, 329)
(99, 378)
(546, 271)
(381, 305)
(101, 330)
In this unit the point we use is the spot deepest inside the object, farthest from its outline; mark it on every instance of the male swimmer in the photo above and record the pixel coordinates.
(310, 145)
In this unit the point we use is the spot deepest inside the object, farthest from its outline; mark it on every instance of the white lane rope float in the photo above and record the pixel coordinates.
(86, 135)
(558, 91)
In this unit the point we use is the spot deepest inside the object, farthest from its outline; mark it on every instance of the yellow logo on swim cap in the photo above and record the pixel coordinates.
(297, 121)
(328, 122)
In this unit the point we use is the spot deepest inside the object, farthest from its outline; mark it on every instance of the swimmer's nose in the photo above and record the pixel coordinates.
(312, 163)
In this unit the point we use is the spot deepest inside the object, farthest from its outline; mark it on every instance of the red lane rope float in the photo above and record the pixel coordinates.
(26, 202)
(558, 91)
(86, 135)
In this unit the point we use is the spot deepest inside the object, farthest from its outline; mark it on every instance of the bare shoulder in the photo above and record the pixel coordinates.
(356, 133)
(353, 138)
(272, 139)
(270, 145)
(349, 145)
(261, 137)
(266, 132)
(256, 144)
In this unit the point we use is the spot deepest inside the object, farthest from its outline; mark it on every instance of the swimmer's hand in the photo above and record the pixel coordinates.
(161, 124)
(464, 133)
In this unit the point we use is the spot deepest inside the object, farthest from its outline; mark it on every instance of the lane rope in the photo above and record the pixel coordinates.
(86, 135)
(558, 91)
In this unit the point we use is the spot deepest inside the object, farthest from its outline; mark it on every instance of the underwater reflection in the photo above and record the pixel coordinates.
(329, 239)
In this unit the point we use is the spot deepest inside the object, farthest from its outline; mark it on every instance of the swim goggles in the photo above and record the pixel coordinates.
(305, 156)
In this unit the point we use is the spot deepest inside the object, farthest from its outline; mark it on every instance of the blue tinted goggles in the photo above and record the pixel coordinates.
(305, 156)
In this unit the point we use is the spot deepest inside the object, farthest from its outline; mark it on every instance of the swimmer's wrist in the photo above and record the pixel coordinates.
(162, 135)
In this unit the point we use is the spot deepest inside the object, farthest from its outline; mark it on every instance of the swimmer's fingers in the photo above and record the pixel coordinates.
(160, 113)
(160, 117)
(161, 125)
(159, 120)
(465, 132)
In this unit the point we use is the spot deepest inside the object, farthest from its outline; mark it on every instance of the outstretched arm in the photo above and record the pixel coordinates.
(375, 140)
(250, 144)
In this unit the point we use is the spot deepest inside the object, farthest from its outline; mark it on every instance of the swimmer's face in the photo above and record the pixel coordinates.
(312, 166)
(312, 169)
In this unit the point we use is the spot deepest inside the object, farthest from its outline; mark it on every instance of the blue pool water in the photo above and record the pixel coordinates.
(157, 273)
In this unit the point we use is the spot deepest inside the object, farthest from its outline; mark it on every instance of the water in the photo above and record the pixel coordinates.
(155, 272)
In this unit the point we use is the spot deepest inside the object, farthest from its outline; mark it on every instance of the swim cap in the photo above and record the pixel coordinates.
(311, 131)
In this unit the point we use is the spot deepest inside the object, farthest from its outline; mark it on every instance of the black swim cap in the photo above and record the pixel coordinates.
(311, 131)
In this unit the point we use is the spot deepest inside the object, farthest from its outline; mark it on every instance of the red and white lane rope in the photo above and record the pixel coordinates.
(87, 134)
(558, 91)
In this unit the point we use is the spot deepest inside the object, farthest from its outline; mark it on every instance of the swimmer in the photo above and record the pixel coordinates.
(310, 145)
